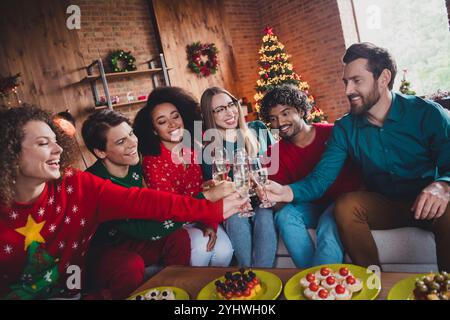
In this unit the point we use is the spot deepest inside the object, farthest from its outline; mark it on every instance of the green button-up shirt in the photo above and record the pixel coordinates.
(398, 160)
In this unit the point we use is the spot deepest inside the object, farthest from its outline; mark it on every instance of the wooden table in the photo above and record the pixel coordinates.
(193, 279)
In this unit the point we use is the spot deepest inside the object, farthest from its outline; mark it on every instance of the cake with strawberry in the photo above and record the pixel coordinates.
(307, 280)
(241, 285)
(353, 284)
(329, 284)
(312, 290)
(342, 274)
(323, 273)
(341, 292)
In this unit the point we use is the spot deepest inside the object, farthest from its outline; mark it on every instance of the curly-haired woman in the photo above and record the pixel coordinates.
(47, 218)
(159, 126)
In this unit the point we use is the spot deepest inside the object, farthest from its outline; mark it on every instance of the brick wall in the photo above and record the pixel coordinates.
(119, 24)
(315, 34)
(312, 33)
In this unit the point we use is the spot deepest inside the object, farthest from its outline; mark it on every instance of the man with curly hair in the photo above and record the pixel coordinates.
(48, 217)
(301, 146)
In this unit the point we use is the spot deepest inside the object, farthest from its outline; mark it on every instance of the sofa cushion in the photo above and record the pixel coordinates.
(395, 246)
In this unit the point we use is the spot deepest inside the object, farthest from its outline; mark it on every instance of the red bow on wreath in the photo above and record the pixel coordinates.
(194, 53)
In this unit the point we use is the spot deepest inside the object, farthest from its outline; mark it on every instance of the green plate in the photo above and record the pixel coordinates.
(293, 290)
(179, 293)
(271, 287)
(403, 290)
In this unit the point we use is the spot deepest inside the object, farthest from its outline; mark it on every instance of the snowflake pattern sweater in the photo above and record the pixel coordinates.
(63, 219)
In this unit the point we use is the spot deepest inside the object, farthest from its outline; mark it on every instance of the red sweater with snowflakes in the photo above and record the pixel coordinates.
(295, 163)
(162, 173)
(65, 216)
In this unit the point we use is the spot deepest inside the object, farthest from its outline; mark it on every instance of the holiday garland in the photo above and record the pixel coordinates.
(194, 53)
(122, 61)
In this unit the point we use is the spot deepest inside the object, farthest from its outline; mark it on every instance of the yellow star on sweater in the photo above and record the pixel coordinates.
(31, 231)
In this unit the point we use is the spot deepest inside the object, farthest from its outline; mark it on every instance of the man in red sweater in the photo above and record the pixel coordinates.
(299, 150)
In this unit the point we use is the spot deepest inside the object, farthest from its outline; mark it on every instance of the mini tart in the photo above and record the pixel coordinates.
(326, 283)
(167, 295)
(152, 295)
(309, 294)
(323, 273)
(340, 275)
(330, 295)
(347, 295)
(304, 282)
(353, 287)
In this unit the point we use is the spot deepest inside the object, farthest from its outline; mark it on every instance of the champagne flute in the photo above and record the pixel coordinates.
(220, 165)
(241, 179)
(260, 176)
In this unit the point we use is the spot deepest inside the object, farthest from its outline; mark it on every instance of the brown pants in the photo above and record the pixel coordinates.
(358, 212)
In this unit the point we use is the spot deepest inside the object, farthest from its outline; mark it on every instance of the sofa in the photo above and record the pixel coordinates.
(400, 250)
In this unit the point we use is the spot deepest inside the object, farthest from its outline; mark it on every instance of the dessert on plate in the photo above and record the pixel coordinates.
(241, 285)
(433, 286)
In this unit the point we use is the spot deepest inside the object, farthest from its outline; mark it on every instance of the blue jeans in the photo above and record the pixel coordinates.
(254, 239)
(293, 222)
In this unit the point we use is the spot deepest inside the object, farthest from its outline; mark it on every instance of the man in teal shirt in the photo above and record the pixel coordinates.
(401, 143)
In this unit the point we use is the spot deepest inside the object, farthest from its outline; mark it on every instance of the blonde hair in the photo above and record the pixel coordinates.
(250, 140)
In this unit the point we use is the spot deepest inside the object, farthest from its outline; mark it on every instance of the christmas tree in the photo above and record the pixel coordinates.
(39, 279)
(275, 68)
(405, 84)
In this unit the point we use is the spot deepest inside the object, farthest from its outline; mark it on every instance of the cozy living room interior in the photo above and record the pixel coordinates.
(79, 57)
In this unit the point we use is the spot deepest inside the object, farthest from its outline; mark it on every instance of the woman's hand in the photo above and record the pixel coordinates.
(233, 203)
(278, 193)
(209, 232)
(219, 191)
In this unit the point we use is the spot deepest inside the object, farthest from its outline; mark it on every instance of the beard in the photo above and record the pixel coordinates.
(366, 103)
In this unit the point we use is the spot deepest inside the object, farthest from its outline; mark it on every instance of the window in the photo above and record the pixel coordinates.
(416, 33)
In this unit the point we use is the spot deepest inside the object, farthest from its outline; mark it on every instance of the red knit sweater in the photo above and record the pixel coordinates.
(64, 218)
(295, 163)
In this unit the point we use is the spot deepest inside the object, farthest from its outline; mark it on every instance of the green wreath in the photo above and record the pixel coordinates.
(195, 63)
(122, 61)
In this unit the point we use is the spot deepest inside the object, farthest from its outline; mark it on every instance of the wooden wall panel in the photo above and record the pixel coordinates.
(182, 22)
(36, 42)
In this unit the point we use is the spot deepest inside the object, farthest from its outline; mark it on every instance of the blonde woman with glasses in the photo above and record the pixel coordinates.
(254, 239)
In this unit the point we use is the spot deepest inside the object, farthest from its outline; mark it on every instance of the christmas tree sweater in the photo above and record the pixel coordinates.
(43, 244)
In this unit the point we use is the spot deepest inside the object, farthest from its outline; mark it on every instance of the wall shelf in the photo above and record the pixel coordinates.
(102, 76)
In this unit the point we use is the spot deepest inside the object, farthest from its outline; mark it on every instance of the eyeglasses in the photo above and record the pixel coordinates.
(220, 110)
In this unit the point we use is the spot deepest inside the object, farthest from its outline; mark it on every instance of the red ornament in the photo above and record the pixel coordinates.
(266, 76)
(268, 30)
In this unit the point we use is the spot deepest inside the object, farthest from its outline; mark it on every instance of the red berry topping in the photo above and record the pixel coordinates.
(310, 277)
(340, 289)
(250, 284)
(255, 281)
(350, 280)
(229, 295)
(343, 271)
(323, 294)
(247, 292)
(325, 271)
(331, 280)
(313, 286)
(238, 294)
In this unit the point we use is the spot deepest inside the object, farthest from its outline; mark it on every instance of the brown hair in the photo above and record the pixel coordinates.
(251, 142)
(12, 121)
(378, 59)
(96, 127)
